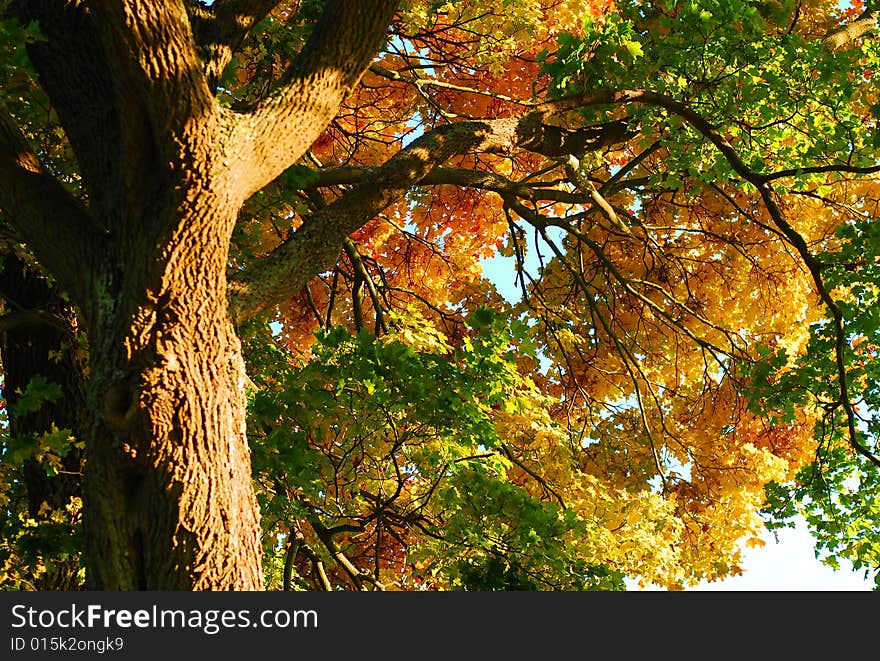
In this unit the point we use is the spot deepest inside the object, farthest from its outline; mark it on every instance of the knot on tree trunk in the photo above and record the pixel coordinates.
(121, 405)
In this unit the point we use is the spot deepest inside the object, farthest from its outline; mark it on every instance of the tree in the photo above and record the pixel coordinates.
(195, 189)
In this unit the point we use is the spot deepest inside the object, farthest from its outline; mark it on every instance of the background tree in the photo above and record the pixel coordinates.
(680, 189)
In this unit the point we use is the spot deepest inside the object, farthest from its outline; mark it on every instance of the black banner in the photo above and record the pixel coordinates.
(168, 625)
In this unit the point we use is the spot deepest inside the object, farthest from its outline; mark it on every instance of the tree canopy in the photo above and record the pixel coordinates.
(530, 294)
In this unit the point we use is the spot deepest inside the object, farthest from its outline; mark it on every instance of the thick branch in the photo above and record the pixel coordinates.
(150, 45)
(127, 83)
(48, 218)
(646, 97)
(498, 135)
(281, 128)
(621, 97)
(316, 246)
(74, 73)
(848, 33)
(349, 175)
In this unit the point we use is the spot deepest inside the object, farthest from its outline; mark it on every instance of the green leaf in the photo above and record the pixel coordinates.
(482, 318)
(634, 48)
(38, 391)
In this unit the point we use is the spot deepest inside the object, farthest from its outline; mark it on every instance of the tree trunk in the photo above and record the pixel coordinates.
(169, 501)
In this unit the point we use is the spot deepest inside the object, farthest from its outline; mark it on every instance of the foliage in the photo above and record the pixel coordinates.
(837, 491)
(800, 121)
(34, 542)
(380, 436)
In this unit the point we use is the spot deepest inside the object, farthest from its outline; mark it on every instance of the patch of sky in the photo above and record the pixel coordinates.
(404, 48)
(504, 272)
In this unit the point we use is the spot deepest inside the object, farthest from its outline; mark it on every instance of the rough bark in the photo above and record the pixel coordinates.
(846, 34)
(169, 503)
(168, 499)
(221, 28)
(269, 139)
